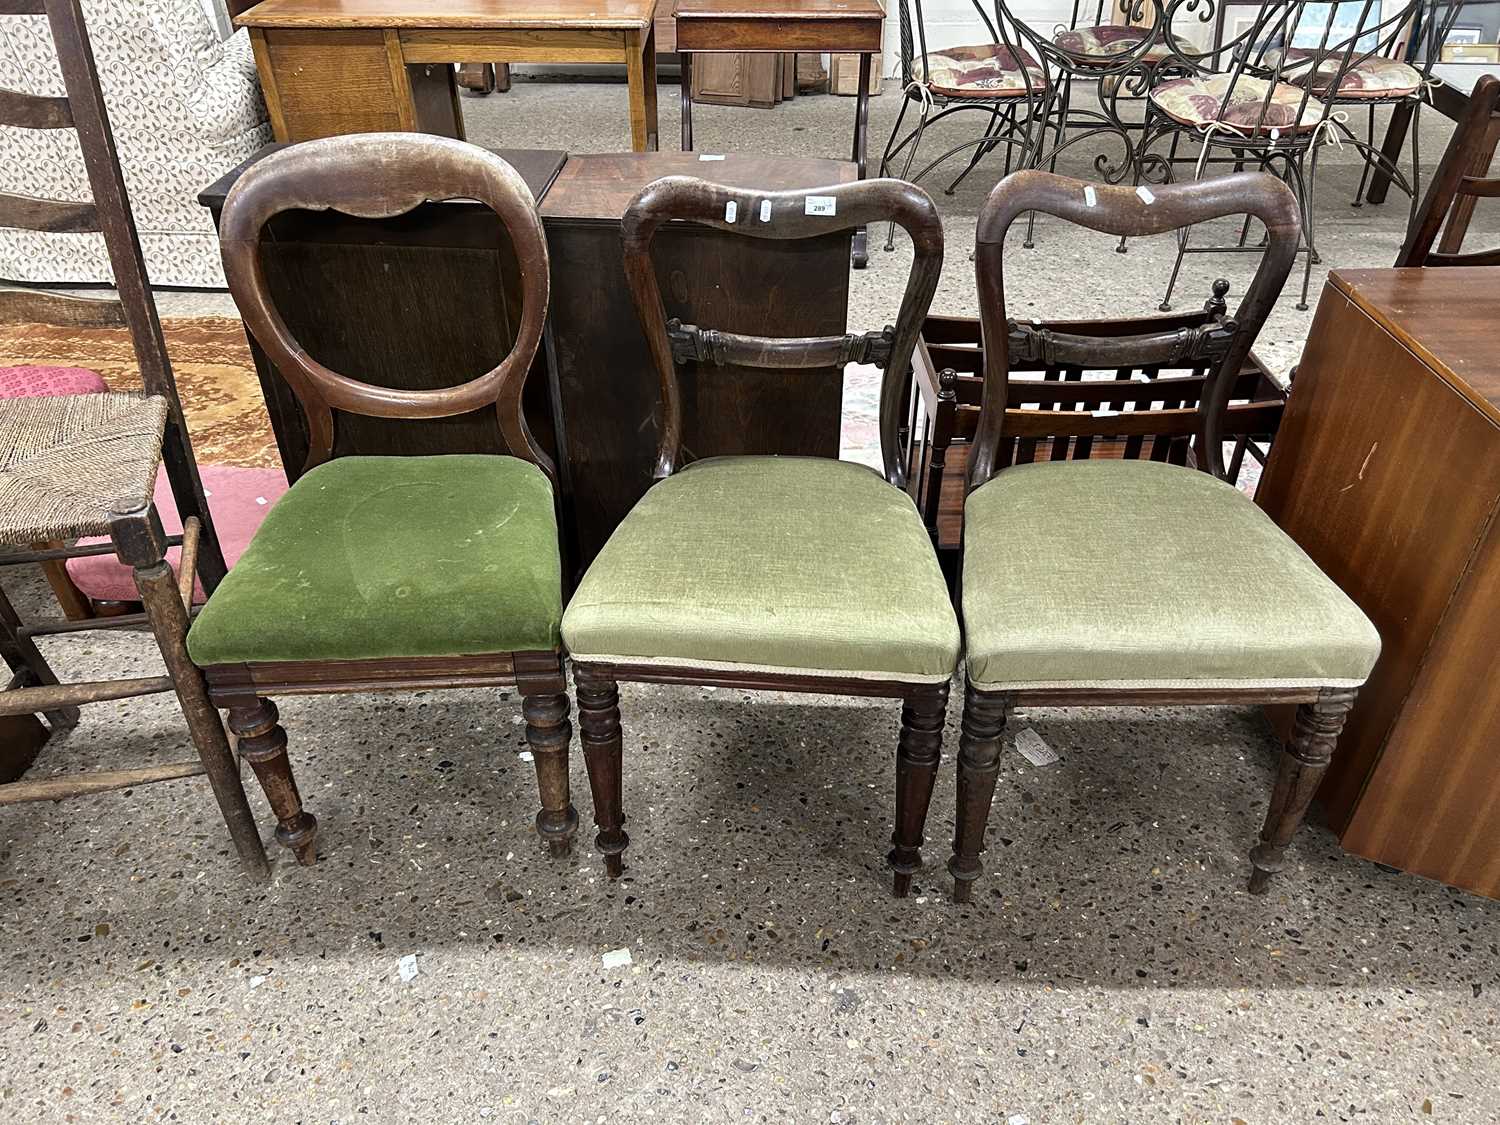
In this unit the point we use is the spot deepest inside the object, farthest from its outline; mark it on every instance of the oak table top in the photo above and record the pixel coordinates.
(450, 14)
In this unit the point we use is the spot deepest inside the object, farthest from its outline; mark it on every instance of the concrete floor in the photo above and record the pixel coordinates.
(1111, 969)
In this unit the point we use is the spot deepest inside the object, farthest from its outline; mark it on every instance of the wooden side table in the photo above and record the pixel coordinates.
(1386, 471)
(776, 26)
(361, 66)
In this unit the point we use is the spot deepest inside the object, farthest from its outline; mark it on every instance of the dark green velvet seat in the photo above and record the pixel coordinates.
(787, 564)
(379, 557)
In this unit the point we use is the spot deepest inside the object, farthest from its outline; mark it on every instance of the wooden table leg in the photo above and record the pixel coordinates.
(1390, 151)
(861, 253)
(640, 68)
(687, 101)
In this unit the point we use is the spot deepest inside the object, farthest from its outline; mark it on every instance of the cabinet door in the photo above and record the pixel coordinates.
(737, 79)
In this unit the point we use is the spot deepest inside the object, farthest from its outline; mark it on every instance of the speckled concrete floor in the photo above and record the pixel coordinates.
(1111, 969)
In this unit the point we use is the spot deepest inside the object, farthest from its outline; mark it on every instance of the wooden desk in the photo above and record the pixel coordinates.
(604, 389)
(1387, 472)
(774, 26)
(421, 301)
(362, 66)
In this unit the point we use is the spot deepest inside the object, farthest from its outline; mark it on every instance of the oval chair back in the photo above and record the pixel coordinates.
(1221, 346)
(379, 176)
(782, 215)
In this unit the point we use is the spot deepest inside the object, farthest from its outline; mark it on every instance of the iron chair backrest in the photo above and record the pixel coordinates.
(379, 176)
(1460, 175)
(1289, 43)
(1222, 346)
(781, 215)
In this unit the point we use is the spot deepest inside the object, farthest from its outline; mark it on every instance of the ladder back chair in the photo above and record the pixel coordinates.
(81, 464)
(797, 574)
(392, 573)
(1136, 582)
(1461, 180)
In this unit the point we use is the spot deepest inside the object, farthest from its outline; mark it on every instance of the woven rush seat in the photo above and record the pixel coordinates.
(66, 462)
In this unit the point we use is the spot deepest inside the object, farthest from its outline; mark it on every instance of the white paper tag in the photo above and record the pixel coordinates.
(616, 958)
(1105, 412)
(710, 156)
(1275, 135)
(1145, 193)
(731, 210)
(765, 210)
(407, 968)
(1090, 196)
(1034, 749)
(820, 205)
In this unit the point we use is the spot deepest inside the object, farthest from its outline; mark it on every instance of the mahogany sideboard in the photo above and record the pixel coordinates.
(1387, 471)
(604, 383)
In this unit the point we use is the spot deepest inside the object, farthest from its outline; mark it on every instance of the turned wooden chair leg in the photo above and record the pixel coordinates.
(599, 724)
(169, 621)
(979, 746)
(1303, 763)
(548, 732)
(263, 744)
(917, 756)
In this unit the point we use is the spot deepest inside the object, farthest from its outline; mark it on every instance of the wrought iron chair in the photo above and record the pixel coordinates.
(1004, 77)
(778, 573)
(392, 573)
(1461, 179)
(1130, 582)
(1267, 97)
(74, 465)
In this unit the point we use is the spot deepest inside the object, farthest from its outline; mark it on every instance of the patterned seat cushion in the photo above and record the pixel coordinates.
(1373, 77)
(1101, 45)
(1202, 100)
(985, 70)
(32, 381)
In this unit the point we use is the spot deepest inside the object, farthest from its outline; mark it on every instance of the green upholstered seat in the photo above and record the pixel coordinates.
(375, 557)
(1131, 574)
(791, 564)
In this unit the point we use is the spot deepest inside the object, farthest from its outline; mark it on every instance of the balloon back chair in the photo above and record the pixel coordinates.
(392, 573)
(800, 574)
(1268, 97)
(1135, 582)
(1462, 178)
(1003, 77)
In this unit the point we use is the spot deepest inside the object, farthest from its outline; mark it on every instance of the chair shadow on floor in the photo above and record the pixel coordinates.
(760, 831)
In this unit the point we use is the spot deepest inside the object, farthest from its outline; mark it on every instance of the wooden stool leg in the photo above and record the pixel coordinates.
(599, 723)
(263, 743)
(979, 746)
(24, 658)
(1303, 764)
(917, 757)
(548, 732)
(169, 621)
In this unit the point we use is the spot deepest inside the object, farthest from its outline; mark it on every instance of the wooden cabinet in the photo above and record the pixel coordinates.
(758, 80)
(1387, 472)
(605, 390)
(424, 300)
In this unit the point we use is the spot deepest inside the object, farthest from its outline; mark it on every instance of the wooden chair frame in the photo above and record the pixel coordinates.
(382, 175)
(1461, 180)
(137, 538)
(777, 215)
(1119, 211)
